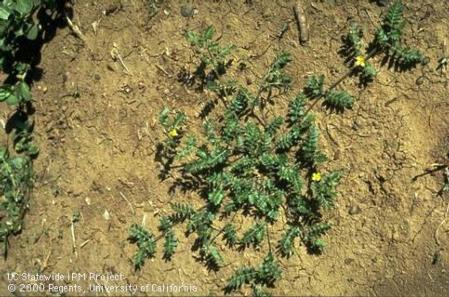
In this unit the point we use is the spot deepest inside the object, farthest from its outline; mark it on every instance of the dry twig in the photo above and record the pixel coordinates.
(76, 30)
(441, 224)
(300, 17)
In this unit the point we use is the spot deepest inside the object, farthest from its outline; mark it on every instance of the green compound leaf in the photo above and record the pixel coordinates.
(192, 37)
(216, 196)
(286, 244)
(242, 276)
(182, 212)
(209, 33)
(368, 73)
(269, 271)
(230, 235)
(388, 40)
(254, 235)
(296, 109)
(212, 256)
(314, 86)
(310, 154)
(353, 42)
(312, 240)
(338, 100)
(393, 22)
(170, 244)
(273, 127)
(281, 60)
(146, 244)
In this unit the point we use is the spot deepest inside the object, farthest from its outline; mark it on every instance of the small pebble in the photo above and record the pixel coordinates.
(106, 215)
(337, 155)
(355, 209)
(348, 261)
(65, 77)
(395, 235)
(420, 80)
(382, 2)
(187, 10)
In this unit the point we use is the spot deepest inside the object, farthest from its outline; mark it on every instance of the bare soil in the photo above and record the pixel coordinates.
(97, 150)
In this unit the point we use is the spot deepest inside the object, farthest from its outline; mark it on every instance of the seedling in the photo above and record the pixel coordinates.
(213, 57)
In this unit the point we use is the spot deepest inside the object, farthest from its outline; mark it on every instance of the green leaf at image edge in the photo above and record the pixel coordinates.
(5, 92)
(23, 91)
(24, 7)
(12, 100)
(4, 13)
(33, 32)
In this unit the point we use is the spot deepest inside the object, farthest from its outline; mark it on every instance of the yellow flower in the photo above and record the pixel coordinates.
(360, 61)
(316, 176)
(173, 133)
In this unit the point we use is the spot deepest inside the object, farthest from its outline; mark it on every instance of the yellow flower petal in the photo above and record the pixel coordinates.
(316, 176)
(173, 133)
(360, 61)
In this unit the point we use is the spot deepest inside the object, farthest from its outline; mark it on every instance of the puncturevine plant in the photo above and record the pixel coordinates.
(258, 165)
(19, 27)
(248, 165)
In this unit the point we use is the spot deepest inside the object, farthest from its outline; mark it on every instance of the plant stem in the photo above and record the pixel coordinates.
(372, 53)
(268, 237)
(222, 229)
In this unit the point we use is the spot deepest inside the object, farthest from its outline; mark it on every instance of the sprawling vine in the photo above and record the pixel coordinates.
(259, 165)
